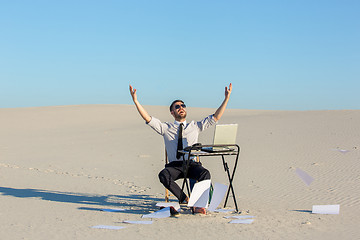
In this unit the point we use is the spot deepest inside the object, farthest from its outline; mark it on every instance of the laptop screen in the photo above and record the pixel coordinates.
(225, 134)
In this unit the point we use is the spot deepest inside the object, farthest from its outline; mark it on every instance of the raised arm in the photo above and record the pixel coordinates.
(219, 112)
(143, 113)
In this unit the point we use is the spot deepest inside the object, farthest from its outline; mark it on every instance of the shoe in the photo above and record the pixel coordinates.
(198, 210)
(174, 212)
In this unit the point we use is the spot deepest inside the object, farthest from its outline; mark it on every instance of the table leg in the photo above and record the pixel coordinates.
(185, 168)
(226, 168)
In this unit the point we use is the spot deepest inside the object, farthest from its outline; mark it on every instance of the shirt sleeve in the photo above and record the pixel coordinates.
(157, 125)
(206, 122)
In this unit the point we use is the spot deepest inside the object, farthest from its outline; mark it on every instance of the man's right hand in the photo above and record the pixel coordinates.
(140, 108)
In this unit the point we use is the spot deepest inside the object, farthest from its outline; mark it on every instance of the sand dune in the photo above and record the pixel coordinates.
(59, 166)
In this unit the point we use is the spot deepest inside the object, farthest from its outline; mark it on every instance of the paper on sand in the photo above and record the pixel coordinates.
(240, 217)
(242, 221)
(218, 195)
(176, 205)
(221, 210)
(342, 150)
(326, 209)
(200, 194)
(138, 222)
(163, 213)
(304, 176)
(108, 227)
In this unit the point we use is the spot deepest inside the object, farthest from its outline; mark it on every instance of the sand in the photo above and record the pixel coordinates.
(59, 166)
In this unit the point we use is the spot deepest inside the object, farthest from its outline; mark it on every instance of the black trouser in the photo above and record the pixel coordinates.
(175, 170)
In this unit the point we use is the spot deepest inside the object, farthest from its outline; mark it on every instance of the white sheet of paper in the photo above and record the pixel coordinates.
(176, 205)
(218, 195)
(243, 221)
(326, 209)
(341, 150)
(139, 222)
(240, 217)
(221, 210)
(163, 213)
(304, 176)
(203, 201)
(344, 151)
(108, 227)
(113, 210)
(200, 194)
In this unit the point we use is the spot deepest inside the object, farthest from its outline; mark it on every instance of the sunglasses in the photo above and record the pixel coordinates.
(178, 106)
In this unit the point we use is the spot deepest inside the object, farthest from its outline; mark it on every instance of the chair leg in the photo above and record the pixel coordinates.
(166, 195)
(166, 191)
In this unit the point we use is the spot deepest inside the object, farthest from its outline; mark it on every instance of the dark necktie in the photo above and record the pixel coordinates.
(180, 144)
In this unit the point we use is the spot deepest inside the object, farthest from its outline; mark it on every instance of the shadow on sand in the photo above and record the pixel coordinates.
(134, 204)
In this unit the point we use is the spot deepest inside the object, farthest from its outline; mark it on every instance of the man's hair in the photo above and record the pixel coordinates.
(172, 104)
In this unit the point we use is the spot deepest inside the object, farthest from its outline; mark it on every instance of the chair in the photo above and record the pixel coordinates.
(192, 182)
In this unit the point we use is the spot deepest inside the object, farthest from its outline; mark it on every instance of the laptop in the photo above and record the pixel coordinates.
(223, 134)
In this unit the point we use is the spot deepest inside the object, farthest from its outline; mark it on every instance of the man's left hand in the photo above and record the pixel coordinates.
(228, 91)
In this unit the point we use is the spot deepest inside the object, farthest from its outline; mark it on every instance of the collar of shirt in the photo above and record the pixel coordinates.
(177, 123)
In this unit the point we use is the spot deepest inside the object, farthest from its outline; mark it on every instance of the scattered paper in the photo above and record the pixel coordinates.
(243, 221)
(224, 210)
(113, 210)
(326, 209)
(200, 194)
(304, 176)
(341, 150)
(344, 151)
(139, 222)
(108, 227)
(218, 195)
(240, 217)
(176, 205)
(163, 213)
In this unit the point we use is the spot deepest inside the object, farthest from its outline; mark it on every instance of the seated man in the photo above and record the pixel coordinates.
(178, 135)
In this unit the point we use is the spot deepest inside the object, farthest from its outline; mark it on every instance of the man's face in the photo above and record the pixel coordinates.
(179, 111)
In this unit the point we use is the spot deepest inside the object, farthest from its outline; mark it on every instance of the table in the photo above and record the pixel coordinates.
(196, 150)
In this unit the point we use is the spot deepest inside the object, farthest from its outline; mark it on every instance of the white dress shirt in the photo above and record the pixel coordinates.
(170, 133)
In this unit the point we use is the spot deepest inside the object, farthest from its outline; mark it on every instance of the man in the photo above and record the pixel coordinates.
(179, 135)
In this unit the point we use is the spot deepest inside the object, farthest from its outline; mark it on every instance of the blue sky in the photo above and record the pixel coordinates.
(279, 55)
